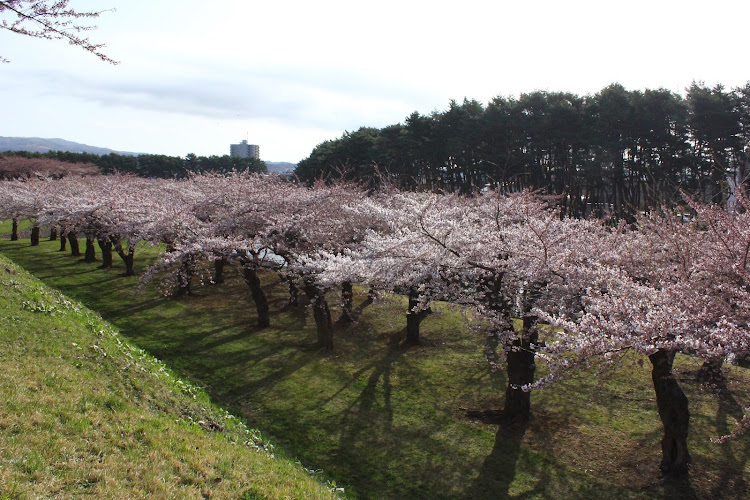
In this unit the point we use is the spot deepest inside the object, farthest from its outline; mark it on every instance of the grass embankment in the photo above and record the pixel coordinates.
(85, 413)
(387, 421)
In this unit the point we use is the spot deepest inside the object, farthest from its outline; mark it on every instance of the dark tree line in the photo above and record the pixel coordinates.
(151, 166)
(616, 150)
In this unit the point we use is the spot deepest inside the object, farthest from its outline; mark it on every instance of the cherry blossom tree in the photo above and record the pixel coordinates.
(172, 219)
(259, 221)
(670, 284)
(228, 221)
(313, 222)
(498, 254)
(18, 167)
(507, 257)
(25, 199)
(69, 200)
(620, 314)
(721, 278)
(109, 210)
(391, 255)
(11, 204)
(127, 211)
(87, 210)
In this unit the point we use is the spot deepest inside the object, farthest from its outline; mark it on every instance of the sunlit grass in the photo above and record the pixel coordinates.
(85, 413)
(387, 421)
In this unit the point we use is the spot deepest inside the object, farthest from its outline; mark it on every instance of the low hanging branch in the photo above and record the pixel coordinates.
(50, 20)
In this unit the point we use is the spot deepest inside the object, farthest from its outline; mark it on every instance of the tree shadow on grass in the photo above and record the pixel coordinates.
(366, 424)
(235, 381)
(361, 307)
(380, 368)
(202, 346)
(499, 468)
(134, 308)
(731, 478)
(679, 488)
(290, 363)
(297, 317)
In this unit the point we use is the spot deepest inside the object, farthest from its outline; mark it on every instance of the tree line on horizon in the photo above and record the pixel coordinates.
(24, 163)
(617, 150)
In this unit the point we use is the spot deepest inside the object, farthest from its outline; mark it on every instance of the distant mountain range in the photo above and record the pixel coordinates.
(39, 145)
(280, 167)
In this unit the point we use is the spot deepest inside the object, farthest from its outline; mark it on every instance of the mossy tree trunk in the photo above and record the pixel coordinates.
(89, 254)
(293, 292)
(521, 369)
(127, 256)
(185, 277)
(322, 316)
(129, 259)
(520, 354)
(259, 297)
(75, 249)
(14, 230)
(673, 411)
(219, 265)
(35, 235)
(414, 318)
(106, 247)
(347, 302)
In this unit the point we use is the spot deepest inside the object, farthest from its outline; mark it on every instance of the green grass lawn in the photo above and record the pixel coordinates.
(85, 413)
(386, 421)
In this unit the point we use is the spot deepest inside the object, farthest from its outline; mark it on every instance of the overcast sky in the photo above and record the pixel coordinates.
(195, 76)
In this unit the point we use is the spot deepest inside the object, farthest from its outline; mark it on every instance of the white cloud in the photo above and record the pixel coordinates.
(288, 75)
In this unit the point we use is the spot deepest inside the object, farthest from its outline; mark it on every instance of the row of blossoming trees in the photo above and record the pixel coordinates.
(671, 283)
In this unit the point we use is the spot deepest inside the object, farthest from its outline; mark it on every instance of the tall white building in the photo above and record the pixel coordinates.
(244, 150)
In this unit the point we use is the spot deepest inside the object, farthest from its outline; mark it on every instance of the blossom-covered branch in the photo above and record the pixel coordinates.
(51, 20)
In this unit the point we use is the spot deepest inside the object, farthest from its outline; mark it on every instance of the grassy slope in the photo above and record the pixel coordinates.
(387, 421)
(84, 413)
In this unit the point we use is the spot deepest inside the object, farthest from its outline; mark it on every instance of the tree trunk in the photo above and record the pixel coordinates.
(261, 303)
(129, 260)
(35, 235)
(521, 368)
(63, 241)
(14, 230)
(185, 277)
(673, 410)
(106, 247)
(127, 257)
(414, 318)
(322, 316)
(75, 250)
(293, 293)
(219, 265)
(347, 299)
(89, 254)
(53, 234)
